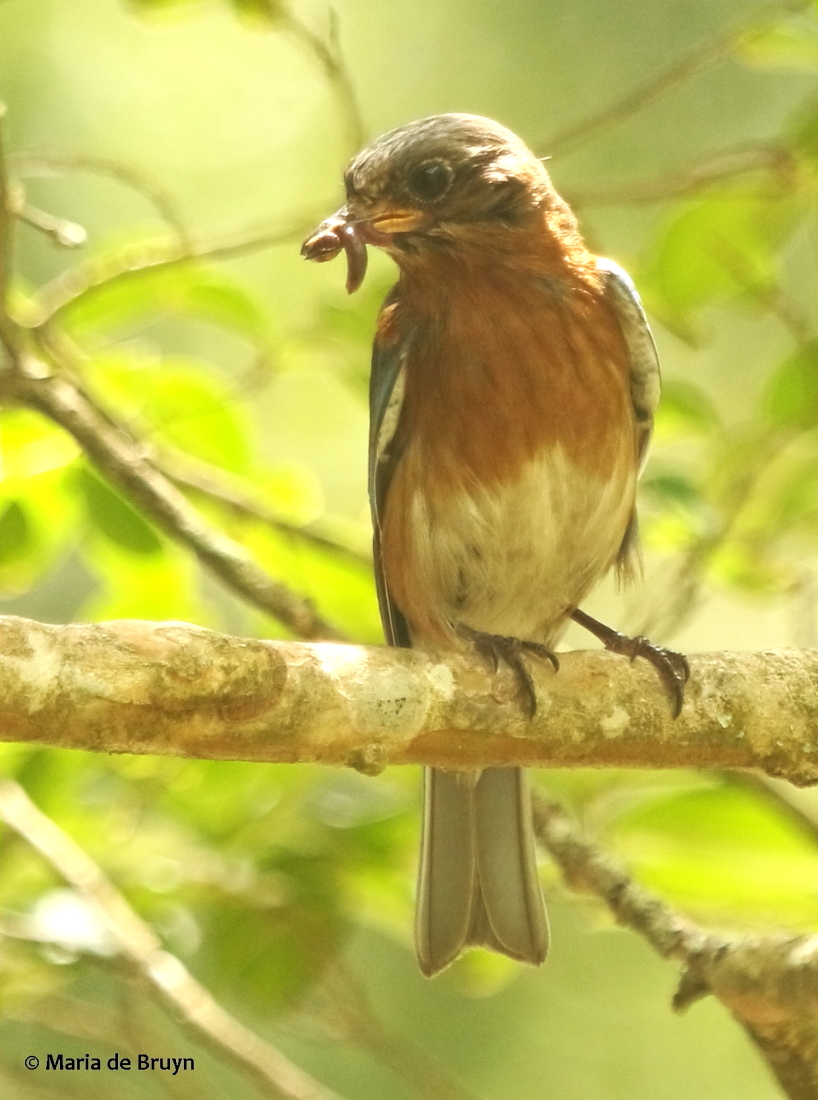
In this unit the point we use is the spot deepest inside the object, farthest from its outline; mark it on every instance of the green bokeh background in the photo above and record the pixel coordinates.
(288, 890)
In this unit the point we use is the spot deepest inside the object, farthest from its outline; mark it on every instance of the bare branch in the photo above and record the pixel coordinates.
(338, 1008)
(52, 163)
(182, 690)
(700, 57)
(63, 233)
(769, 983)
(199, 1011)
(6, 239)
(79, 283)
(215, 486)
(328, 54)
(716, 168)
(124, 463)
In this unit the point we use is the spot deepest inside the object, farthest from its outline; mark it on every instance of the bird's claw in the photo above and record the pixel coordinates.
(673, 667)
(498, 647)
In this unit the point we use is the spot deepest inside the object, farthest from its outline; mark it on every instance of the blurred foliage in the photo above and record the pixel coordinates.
(246, 380)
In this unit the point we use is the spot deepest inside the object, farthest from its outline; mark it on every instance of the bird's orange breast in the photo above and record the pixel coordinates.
(516, 422)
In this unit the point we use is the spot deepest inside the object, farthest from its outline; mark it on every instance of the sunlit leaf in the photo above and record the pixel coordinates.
(157, 586)
(293, 493)
(177, 401)
(341, 587)
(15, 531)
(685, 409)
(159, 8)
(31, 445)
(268, 943)
(792, 392)
(189, 290)
(114, 517)
(746, 564)
(722, 853)
(790, 45)
(717, 249)
(261, 13)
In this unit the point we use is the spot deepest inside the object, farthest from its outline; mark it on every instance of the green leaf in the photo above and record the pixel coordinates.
(41, 525)
(801, 133)
(724, 852)
(146, 586)
(259, 13)
(673, 488)
(113, 517)
(342, 588)
(685, 409)
(188, 290)
(179, 398)
(267, 944)
(716, 250)
(791, 45)
(15, 531)
(194, 412)
(791, 398)
(159, 8)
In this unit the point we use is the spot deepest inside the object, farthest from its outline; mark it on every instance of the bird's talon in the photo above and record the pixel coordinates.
(673, 667)
(497, 647)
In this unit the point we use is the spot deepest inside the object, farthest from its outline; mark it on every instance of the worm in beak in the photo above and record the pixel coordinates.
(331, 237)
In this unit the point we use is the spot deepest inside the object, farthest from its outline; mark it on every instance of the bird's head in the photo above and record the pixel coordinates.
(434, 185)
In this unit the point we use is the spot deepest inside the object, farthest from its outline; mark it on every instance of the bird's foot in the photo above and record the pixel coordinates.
(497, 647)
(673, 667)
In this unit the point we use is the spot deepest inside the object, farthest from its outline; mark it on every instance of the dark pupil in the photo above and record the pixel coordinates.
(429, 181)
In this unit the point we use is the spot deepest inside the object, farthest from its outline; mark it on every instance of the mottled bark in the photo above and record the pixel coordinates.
(173, 688)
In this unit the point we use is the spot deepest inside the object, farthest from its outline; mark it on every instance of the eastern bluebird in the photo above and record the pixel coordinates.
(514, 380)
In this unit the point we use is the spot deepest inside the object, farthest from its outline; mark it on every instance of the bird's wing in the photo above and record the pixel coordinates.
(644, 360)
(386, 387)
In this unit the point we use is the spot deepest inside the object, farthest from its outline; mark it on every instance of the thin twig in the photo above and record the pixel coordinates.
(123, 462)
(211, 484)
(6, 222)
(74, 286)
(329, 56)
(50, 163)
(693, 61)
(222, 1033)
(715, 169)
(768, 983)
(62, 232)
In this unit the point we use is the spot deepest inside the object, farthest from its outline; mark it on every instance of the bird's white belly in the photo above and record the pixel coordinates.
(516, 558)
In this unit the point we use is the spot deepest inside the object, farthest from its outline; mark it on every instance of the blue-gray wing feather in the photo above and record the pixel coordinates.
(645, 377)
(386, 386)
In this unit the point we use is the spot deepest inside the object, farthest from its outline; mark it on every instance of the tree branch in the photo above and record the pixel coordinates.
(182, 690)
(237, 498)
(166, 974)
(769, 983)
(696, 59)
(53, 300)
(716, 168)
(126, 465)
(6, 243)
(52, 163)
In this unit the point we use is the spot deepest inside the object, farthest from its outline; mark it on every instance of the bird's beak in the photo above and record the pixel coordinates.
(395, 219)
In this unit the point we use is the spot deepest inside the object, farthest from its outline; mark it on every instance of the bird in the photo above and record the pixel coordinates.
(513, 385)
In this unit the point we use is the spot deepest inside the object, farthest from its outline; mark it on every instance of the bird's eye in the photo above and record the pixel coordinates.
(430, 180)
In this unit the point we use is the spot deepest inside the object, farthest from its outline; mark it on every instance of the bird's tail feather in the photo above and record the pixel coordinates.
(478, 880)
